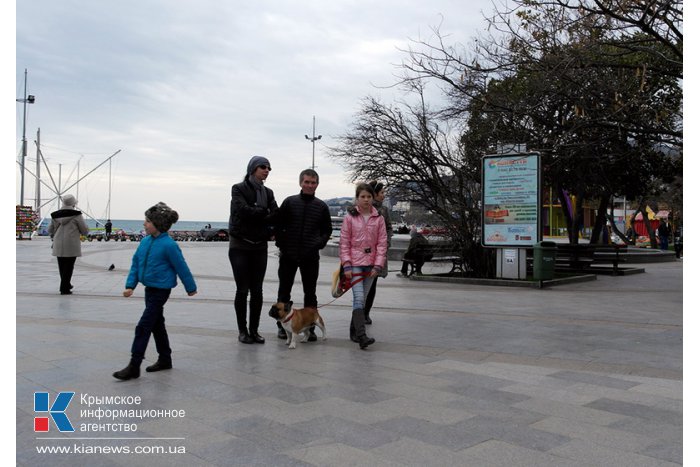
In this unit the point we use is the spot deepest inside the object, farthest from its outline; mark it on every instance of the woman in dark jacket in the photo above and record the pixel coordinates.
(253, 208)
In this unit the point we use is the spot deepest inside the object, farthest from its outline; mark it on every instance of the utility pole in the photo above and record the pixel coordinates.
(313, 140)
(26, 100)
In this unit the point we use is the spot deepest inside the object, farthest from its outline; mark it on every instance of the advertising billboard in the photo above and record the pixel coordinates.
(510, 200)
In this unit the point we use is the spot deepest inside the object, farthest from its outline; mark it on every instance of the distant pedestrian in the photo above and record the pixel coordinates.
(303, 228)
(108, 229)
(66, 227)
(156, 263)
(253, 209)
(678, 242)
(664, 232)
(362, 253)
(378, 203)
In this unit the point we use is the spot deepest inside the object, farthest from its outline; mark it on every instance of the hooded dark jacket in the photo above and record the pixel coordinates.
(250, 225)
(303, 226)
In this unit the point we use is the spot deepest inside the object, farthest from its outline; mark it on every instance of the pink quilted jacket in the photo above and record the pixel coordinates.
(357, 237)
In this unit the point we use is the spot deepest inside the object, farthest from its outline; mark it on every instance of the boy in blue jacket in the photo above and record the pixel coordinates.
(155, 264)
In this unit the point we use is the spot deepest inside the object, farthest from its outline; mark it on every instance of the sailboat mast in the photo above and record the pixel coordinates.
(109, 195)
(37, 201)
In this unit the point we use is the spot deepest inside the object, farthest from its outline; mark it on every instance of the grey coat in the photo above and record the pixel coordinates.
(66, 227)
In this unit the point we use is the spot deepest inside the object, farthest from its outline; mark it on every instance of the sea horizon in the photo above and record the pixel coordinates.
(136, 225)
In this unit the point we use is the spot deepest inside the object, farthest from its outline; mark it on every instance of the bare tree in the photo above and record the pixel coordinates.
(423, 162)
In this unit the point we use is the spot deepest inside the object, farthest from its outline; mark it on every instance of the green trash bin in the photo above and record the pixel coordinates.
(544, 259)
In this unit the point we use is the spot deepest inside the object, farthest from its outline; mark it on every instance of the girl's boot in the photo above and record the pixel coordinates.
(358, 322)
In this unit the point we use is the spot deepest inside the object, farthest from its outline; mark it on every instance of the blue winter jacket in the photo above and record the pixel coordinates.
(156, 263)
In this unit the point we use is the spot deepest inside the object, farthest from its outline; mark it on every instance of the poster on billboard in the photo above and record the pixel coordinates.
(510, 200)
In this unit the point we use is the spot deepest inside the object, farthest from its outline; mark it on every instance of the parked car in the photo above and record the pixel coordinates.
(213, 235)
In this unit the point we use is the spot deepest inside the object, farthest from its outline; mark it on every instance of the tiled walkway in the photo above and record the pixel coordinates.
(584, 374)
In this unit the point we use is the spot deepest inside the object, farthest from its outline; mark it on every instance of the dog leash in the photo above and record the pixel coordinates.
(361, 276)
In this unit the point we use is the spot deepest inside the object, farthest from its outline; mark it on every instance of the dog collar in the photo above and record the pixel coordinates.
(289, 316)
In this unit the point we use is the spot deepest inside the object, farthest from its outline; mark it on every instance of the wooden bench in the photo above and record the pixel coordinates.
(584, 257)
(438, 253)
(610, 254)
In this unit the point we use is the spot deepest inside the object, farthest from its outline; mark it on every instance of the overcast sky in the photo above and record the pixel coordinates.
(190, 90)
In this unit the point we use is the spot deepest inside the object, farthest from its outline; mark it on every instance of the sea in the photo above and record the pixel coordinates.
(135, 226)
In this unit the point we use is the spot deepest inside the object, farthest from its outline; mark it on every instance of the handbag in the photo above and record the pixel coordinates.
(339, 283)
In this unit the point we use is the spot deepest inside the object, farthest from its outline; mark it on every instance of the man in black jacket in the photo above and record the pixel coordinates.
(303, 228)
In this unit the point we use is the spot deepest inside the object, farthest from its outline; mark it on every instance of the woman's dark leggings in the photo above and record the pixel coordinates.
(249, 272)
(65, 270)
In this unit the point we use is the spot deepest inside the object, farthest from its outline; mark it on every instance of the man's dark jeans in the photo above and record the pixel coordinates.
(308, 266)
(152, 321)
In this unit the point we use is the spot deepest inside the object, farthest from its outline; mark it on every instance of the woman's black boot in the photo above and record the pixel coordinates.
(257, 338)
(244, 338)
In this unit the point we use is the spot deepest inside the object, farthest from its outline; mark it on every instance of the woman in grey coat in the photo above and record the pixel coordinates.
(67, 225)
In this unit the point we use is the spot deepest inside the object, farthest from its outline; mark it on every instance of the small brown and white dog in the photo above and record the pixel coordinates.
(297, 321)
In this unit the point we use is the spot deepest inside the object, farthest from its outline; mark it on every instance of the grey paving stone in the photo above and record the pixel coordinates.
(658, 430)
(341, 455)
(470, 379)
(569, 411)
(599, 380)
(353, 434)
(456, 437)
(478, 392)
(671, 452)
(637, 410)
(502, 454)
(603, 436)
(591, 453)
(414, 452)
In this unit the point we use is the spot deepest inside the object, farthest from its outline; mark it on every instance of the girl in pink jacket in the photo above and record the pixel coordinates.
(363, 249)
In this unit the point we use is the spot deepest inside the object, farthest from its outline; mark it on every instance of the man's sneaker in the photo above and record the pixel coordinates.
(312, 336)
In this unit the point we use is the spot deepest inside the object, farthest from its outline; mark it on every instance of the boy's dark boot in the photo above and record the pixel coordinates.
(312, 334)
(160, 364)
(358, 322)
(131, 371)
(281, 333)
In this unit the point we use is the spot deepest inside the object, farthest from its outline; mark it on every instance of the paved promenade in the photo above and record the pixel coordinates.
(586, 374)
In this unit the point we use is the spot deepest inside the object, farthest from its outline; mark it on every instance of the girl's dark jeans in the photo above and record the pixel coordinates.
(152, 321)
(249, 268)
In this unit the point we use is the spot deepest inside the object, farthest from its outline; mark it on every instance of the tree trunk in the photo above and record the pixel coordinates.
(600, 221)
(578, 219)
(567, 210)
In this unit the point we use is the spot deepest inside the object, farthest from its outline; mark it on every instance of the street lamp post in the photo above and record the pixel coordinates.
(313, 140)
(28, 99)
